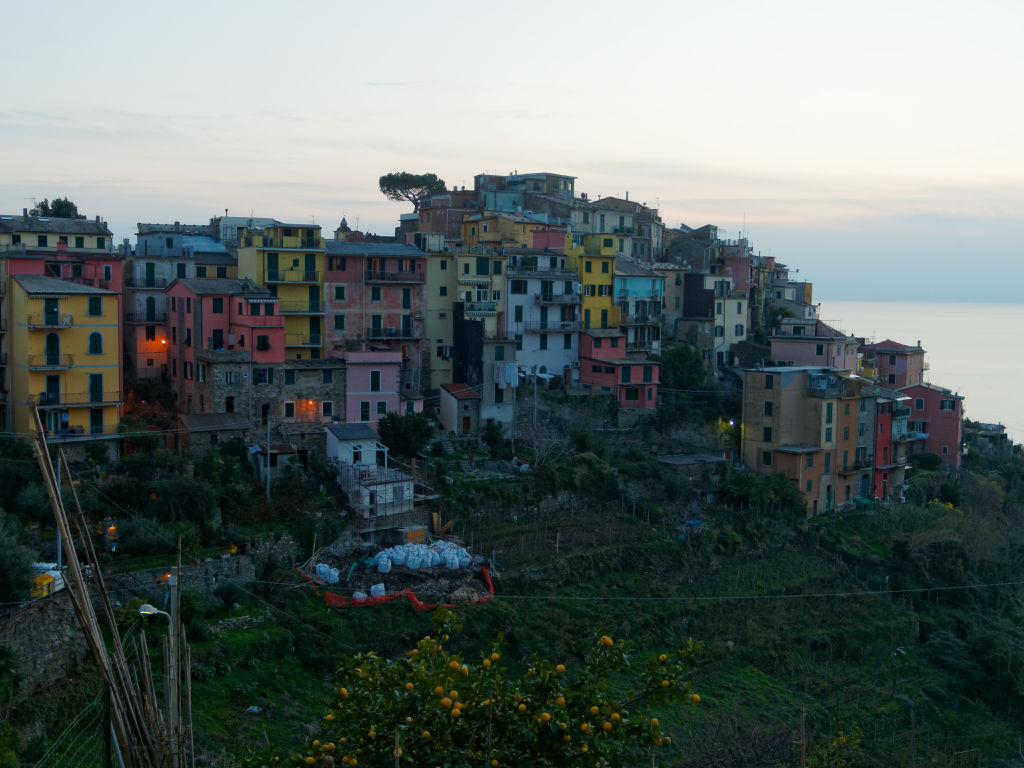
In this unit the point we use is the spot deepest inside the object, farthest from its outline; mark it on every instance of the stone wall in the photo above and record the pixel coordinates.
(203, 578)
(45, 636)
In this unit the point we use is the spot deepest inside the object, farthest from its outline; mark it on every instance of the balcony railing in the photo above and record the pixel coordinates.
(641, 319)
(262, 321)
(49, 362)
(303, 339)
(531, 270)
(76, 399)
(301, 307)
(84, 433)
(140, 281)
(292, 276)
(152, 318)
(537, 326)
(475, 279)
(49, 321)
(377, 276)
(481, 308)
(557, 298)
(300, 243)
(856, 466)
(389, 333)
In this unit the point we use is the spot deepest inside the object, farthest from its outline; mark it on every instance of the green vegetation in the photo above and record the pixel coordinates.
(414, 187)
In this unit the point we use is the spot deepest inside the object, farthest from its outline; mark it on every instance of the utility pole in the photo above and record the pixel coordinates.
(535, 401)
(268, 457)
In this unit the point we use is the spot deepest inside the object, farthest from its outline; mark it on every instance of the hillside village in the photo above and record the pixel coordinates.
(297, 339)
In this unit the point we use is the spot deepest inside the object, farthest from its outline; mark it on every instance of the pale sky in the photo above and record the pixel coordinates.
(877, 146)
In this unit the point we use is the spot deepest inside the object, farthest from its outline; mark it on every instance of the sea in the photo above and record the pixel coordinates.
(975, 350)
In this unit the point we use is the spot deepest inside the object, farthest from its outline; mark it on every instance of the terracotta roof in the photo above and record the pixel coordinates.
(460, 391)
(224, 286)
(54, 225)
(36, 284)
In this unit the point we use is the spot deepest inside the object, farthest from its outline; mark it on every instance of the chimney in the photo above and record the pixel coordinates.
(24, 212)
(97, 219)
(627, 195)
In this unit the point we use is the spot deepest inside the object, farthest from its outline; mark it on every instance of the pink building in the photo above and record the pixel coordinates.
(605, 368)
(549, 239)
(807, 341)
(372, 384)
(214, 323)
(898, 365)
(936, 421)
(375, 295)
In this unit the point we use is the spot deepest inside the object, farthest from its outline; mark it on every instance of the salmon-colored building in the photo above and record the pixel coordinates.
(936, 422)
(605, 368)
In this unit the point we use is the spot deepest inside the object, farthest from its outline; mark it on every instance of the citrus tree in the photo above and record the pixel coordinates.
(436, 708)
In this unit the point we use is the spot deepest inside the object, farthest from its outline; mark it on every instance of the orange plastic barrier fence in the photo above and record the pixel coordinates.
(334, 600)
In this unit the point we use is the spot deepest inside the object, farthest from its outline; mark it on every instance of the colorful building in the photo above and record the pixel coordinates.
(801, 341)
(607, 368)
(895, 365)
(290, 260)
(936, 422)
(640, 294)
(596, 268)
(372, 384)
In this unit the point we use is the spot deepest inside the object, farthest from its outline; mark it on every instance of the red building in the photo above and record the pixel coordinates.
(605, 368)
(897, 365)
(936, 421)
(375, 296)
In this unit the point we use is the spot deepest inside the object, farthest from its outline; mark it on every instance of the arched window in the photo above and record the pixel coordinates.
(95, 344)
(150, 309)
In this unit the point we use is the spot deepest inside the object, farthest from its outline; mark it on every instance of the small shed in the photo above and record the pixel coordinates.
(460, 409)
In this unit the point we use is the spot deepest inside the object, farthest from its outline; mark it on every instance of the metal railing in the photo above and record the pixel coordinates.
(50, 361)
(303, 339)
(300, 307)
(72, 399)
(292, 276)
(267, 241)
(557, 298)
(481, 308)
(48, 320)
(145, 317)
(534, 326)
(389, 333)
(378, 276)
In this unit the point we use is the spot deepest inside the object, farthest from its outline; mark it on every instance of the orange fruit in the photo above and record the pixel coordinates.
(594, 710)
(545, 717)
(425, 734)
(606, 726)
(694, 698)
(453, 665)
(663, 658)
(566, 737)
(585, 727)
(522, 707)
(446, 702)
(409, 686)
(494, 764)
(438, 690)
(606, 641)
(316, 742)
(560, 669)
(372, 734)
(310, 760)
(454, 695)
(654, 722)
(328, 717)
(615, 717)
(495, 657)
(456, 711)
(397, 752)
(583, 748)
(487, 662)
(664, 683)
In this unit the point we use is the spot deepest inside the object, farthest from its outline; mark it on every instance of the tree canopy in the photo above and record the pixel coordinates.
(682, 368)
(434, 707)
(58, 208)
(414, 187)
(405, 435)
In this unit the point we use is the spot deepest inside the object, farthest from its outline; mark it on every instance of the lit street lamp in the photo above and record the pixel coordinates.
(172, 683)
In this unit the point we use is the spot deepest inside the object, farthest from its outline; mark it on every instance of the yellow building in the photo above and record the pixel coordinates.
(480, 285)
(499, 229)
(437, 328)
(65, 353)
(595, 264)
(289, 260)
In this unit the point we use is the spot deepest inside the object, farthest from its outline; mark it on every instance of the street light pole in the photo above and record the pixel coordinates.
(172, 682)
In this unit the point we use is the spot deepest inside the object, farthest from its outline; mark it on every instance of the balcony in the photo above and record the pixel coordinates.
(897, 412)
(542, 326)
(640, 319)
(377, 276)
(212, 353)
(481, 307)
(557, 298)
(136, 281)
(301, 307)
(50, 362)
(910, 435)
(303, 340)
(80, 433)
(263, 321)
(533, 271)
(294, 243)
(76, 399)
(389, 333)
(146, 318)
(857, 466)
(475, 279)
(49, 320)
(292, 276)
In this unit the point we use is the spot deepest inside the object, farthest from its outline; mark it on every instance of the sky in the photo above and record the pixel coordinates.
(875, 146)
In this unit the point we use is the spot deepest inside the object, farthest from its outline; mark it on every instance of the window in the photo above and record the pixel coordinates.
(200, 271)
(718, 307)
(289, 376)
(828, 413)
(339, 293)
(339, 322)
(263, 375)
(150, 333)
(587, 266)
(945, 450)
(947, 405)
(41, 240)
(519, 342)
(828, 434)
(828, 462)
(79, 242)
(517, 287)
(604, 267)
(375, 381)
(768, 407)
(499, 394)
(846, 433)
(739, 329)
(327, 376)
(891, 378)
(632, 394)
(499, 352)
(517, 313)
(819, 349)
(201, 372)
(101, 242)
(444, 265)
(767, 435)
(95, 306)
(810, 485)
(846, 409)
(95, 421)
(375, 293)
(810, 461)
(364, 410)
(495, 295)
(482, 264)
(597, 342)
(188, 303)
(188, 337)
(766, 458)
(443, 290)
(465, 266)
(719, 331)
(217, 305)
(289, 410)
(497, 268)
(607, 242)
(382, 407)
(918, 403)
(648, 374)
(892, 359)
(626, 374)
(327, 408)
(543, 341)
(181, 270)
(222, 271)
(262, 343)
(95, 344)
(567, 341)
(229, 377)
(174, 333)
